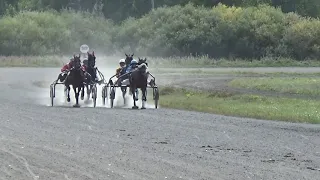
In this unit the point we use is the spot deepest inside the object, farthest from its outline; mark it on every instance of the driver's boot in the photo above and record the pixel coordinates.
(62, 77)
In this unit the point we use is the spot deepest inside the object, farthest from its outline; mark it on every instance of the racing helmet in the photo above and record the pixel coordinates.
(133, 61)
(122, 61)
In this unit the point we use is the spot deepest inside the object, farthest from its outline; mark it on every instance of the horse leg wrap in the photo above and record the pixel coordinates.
(143, 104)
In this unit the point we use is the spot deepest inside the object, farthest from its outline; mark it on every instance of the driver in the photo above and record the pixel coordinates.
(68, 66)
(84, 65)
(132, 66)
(121, 70)
(65, 69)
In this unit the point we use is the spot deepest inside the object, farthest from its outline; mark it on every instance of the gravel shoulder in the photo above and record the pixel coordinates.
(41, 142)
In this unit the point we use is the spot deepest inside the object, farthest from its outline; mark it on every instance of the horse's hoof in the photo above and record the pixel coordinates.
(76, 105)
(135, 107)
(143, 108)
(68, 99)
(82, 97)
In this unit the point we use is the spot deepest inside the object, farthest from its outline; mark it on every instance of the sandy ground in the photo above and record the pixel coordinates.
(42, 142)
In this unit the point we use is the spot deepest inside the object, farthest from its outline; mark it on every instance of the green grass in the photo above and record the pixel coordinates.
(158, 62)
(223, 72)
(252, 106)
(297, 85)
(206, 62)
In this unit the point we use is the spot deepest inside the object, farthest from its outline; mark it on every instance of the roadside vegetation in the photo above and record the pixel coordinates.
(184, 35)
(253, 106)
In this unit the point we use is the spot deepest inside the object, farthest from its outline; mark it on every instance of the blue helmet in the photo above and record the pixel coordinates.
(133, 62)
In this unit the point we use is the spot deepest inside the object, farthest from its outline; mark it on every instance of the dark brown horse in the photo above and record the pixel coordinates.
(128, 59)
(139, 79)
(76, 79)
(91, 74)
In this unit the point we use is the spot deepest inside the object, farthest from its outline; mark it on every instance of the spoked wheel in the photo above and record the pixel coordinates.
(112, 96)
(94, 95)
(51, 94)
(104, 94)
(156, 96)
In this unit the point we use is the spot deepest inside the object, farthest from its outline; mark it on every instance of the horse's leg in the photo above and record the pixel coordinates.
(124, 91)
(89, 89)
(76, 91)
(82, 93)
(144, 97)
(137, 94)
(67, 90)
(134, 98)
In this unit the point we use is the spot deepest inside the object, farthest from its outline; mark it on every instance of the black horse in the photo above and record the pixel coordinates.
(139, 79)
(128, 59)
(91, 74)
(76, 79)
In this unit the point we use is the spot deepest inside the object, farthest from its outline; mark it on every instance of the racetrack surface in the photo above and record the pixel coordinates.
(42, 142)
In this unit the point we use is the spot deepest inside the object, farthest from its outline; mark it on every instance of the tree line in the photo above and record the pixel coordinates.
(250, 30)
(119, 10)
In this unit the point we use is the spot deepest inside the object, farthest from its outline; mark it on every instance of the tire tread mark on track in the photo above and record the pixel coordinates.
(24, 161)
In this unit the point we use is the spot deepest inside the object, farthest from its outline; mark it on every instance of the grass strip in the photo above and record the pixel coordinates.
(252, 106)
(296, 85)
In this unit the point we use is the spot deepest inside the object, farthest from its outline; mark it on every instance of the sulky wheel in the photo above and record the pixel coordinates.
(51, 94)
(156, 97)
(103, 94)
(112, 96)
(94, 95)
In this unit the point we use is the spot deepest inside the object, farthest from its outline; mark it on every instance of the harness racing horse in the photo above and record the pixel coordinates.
(128, 59)
(139, 79)
(76, 79)
(91, 74)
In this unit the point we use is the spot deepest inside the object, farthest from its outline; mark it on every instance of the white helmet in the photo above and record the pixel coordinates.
(122, 61)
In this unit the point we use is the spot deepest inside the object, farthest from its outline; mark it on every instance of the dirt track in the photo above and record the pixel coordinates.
(41, 142)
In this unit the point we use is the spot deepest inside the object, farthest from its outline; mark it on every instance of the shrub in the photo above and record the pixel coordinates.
(223, 31)
(302, 39)
(40, 33)
(220, 32)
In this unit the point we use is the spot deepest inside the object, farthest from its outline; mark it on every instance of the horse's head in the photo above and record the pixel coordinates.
(143, 61)
(76, 63)
(91, 60)
(128, 59)
(143, 65)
